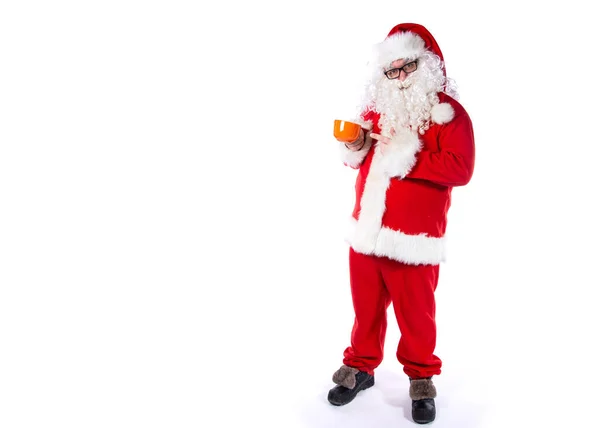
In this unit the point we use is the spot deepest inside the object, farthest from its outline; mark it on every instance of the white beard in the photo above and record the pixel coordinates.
(405, 104)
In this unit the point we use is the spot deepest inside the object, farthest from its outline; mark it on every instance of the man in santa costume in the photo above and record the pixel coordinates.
(417, 144)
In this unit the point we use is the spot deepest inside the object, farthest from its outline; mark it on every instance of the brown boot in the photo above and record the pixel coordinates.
(422, 392)
(350, 381)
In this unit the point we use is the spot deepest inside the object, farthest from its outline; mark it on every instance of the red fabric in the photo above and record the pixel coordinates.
(419, 203)
(451, 161)
(375, 283)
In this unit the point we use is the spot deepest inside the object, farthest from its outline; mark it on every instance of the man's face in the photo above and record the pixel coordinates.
(396, 70)
(397, 64)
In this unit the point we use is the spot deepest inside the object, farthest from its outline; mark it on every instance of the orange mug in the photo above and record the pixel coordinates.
(346, 132)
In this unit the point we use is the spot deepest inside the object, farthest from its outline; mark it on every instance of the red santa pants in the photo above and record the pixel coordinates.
(375, 283)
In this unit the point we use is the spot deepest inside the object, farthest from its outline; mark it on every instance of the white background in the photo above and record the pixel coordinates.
(172, 208)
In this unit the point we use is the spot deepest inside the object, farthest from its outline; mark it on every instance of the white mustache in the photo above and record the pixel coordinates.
(403, 85)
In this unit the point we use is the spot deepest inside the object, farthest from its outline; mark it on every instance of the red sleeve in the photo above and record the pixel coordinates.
(453, 164)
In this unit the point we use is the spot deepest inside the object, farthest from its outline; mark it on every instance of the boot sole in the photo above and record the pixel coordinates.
(423, 421)
(368, 384)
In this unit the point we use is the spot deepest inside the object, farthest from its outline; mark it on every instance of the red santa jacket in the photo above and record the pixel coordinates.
(403, 189)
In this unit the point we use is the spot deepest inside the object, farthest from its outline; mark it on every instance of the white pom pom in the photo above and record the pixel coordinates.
(442, 113)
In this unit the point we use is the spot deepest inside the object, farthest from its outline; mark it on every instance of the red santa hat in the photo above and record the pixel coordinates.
(406, 41)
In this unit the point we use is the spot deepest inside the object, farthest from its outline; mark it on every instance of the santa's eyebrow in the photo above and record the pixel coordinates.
(400, 66)
(406, 61)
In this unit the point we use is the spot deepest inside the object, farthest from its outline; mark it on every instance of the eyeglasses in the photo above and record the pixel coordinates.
(394, 73)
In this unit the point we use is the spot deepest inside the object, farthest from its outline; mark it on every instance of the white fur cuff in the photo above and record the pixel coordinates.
(354, 158)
